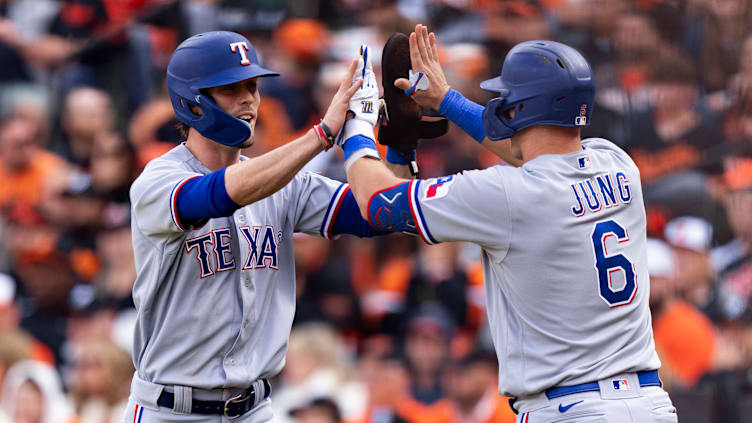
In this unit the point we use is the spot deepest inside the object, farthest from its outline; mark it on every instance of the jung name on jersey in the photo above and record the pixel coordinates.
(603, 191)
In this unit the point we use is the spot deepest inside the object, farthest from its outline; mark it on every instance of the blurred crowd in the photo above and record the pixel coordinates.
(386, 329)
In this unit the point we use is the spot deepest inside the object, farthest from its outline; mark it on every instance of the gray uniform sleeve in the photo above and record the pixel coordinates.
(153, 197)
(470, 206)
(315, 201)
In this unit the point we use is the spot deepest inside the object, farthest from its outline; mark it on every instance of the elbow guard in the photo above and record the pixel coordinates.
(389, 210)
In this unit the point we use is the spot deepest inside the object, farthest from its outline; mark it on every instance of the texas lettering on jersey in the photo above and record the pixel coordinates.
(263, 243)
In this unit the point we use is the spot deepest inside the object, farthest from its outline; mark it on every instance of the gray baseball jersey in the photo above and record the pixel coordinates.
(563, 252)
(216, 301)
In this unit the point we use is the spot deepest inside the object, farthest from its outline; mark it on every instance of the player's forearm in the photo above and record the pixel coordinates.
(257, 178)
(367, 176)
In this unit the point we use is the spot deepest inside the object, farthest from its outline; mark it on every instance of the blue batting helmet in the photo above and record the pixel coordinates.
(210, 60)
(546, 83)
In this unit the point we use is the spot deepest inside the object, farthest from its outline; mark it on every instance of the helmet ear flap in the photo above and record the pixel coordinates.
(214, 123)
(493, 120)
(507, 114)
(185, 107)
(218, 125)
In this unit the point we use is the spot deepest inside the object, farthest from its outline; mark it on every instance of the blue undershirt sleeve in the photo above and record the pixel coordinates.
(204, 197)
(349, 221)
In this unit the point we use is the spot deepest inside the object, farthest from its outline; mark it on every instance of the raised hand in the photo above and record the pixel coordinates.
(424, 57)
(364, 104)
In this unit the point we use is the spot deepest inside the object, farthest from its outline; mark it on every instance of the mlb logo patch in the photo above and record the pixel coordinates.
(583, 162)
(581, 120)
(440, 188)
(621, 385)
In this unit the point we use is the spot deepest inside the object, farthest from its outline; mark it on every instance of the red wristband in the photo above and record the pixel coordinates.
(325, 142)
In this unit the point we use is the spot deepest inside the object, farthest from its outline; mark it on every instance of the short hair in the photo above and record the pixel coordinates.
(183, 128)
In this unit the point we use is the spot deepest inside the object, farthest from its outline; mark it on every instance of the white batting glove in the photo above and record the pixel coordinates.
(364, 104)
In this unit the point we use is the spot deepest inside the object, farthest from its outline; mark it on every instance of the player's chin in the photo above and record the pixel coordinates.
(249, 142)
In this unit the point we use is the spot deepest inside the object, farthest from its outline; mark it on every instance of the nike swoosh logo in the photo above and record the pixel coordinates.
(563, 408)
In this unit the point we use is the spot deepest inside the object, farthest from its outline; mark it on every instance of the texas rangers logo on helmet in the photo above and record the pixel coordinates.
(242, 48)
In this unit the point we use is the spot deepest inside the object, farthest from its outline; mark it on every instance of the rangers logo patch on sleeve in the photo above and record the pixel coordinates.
(439, 188)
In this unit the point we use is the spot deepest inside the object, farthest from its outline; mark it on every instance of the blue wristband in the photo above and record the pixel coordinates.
(357, 143)
(463, 113)
(395, 157)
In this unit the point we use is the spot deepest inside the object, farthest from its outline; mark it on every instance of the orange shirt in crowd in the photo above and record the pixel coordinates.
(654, 165)
(28, 186)
(476, 300)
(41, 352)
(492, 408)
(390, 290)
(686, 340)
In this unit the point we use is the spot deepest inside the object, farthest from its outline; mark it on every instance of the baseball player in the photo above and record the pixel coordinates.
(213, 237)
(562, 236)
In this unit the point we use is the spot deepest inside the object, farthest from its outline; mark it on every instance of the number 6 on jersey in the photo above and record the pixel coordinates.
(605, 265)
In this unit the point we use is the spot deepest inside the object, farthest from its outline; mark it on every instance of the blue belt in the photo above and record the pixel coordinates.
(646, 379)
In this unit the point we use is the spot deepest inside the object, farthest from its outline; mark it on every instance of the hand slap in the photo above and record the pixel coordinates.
(363, 107)
(424, 59)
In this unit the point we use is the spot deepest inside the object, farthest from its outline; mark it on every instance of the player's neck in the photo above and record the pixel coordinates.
(211, 154)
(539, 140)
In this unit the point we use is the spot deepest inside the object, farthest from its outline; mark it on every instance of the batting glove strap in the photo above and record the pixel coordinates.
(355, 127)
(359, 146)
